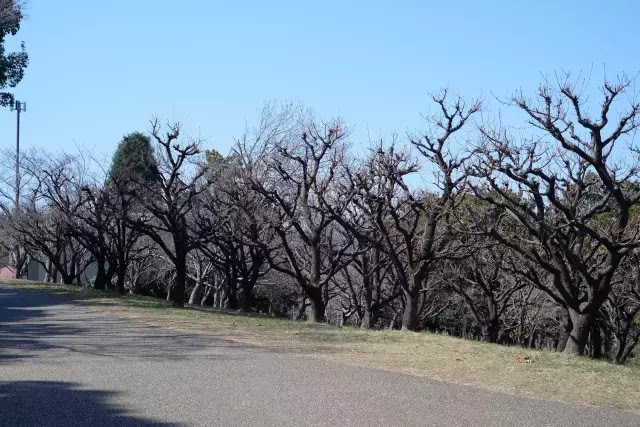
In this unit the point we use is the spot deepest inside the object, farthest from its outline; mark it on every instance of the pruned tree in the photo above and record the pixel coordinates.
(569, 194)
(239, 233)
(296, 179)
(369, 283)
(167, 203)
(415, 228)
(621, 312)
(70, 189)
(486, 283)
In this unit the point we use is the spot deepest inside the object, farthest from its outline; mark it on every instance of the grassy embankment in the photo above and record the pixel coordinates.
(433, 356)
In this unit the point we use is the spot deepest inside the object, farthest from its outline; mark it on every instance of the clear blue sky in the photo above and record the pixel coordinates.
(100, 69)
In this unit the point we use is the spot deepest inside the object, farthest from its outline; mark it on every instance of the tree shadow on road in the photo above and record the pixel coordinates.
(32, 322)
(50, 403)
(19, 338)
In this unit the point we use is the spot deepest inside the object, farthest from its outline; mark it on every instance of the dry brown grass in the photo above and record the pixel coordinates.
(488, 366)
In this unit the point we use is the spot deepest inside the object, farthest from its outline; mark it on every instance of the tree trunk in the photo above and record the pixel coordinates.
(78, 271)
(136, 286)
(230, 292)
(410, 314)
(196, 290)
(217, 296)
(622, 345)
(490, 331)
(19, 261)
(67, 279)
(607, 342)
(596, 341)
(367, 313)
(581, 325)
(206, 295)
(625, 351)
(232, 300)
(49, 275)
(67, 270)
(302, 306)
(317, 305)
(177, 290)
(565, 330)
(392, 325)
(100, 282)
(121, 276)
(111, 271)
(247, 291)
(368, 320)
(625, 354)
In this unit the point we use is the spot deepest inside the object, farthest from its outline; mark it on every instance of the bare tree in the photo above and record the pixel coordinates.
(71, 191)
(11, 203)
(239, 233)
(369, 284)
(415, 228)
(487, 284)
(570, 198)
(622, 309)
(298, 176)
(169, 201)
(46, 222)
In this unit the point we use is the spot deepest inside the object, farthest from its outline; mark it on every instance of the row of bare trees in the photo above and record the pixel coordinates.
(522, 235)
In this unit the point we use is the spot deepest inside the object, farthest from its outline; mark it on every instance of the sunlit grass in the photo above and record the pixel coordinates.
(433, 356)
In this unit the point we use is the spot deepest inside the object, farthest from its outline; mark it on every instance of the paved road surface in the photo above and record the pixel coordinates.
(64, 364)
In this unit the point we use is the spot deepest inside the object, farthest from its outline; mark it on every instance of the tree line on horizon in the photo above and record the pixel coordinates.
(526, 234)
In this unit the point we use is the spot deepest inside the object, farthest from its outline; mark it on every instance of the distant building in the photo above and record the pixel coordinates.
(7, 272)
(36, 271)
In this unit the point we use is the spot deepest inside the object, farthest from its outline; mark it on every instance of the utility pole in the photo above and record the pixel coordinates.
(18, 107)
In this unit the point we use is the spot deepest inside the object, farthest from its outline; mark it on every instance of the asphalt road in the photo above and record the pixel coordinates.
(64, 364)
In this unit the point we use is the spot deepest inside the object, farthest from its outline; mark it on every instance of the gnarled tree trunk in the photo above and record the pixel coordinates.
(410, 313)
(580, 327)
(316, 305)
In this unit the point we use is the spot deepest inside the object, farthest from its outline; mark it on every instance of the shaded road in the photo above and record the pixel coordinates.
(64, 364)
